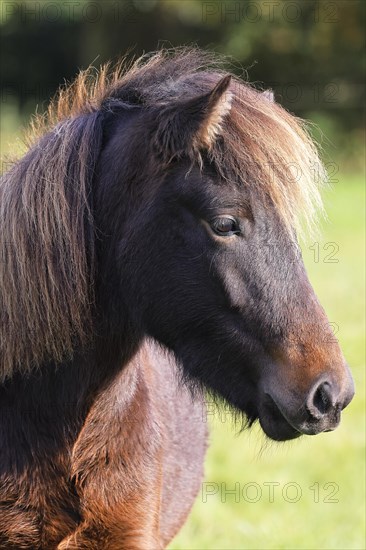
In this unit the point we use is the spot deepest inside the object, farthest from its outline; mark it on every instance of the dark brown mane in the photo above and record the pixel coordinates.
(46, 227)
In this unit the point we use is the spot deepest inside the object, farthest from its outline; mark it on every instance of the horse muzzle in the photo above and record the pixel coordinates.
(286, 415)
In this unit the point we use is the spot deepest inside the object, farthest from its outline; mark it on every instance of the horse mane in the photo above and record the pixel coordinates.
(46, 210)
(275, 147)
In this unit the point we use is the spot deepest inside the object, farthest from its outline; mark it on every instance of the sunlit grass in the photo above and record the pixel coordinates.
(337, 521)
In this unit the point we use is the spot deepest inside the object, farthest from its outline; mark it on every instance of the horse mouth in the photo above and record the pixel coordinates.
(273, 422)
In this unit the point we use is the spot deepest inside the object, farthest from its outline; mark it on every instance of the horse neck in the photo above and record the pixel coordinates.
(63, 394)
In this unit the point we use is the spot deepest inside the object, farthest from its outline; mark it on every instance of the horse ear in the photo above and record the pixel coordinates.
(192, 125)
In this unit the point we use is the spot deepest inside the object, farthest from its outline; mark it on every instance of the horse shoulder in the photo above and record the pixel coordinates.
(138, 460)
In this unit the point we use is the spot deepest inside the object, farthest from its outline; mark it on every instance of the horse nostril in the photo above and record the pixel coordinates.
(321, 400)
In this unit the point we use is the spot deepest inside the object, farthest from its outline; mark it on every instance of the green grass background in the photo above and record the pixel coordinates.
(336, 458)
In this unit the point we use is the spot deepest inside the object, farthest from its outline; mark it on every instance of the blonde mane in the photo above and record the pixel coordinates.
(46, 225)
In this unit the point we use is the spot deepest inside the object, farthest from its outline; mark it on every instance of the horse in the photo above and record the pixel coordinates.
(149, 258)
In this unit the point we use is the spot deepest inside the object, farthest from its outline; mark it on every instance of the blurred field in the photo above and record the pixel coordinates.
(336, 459)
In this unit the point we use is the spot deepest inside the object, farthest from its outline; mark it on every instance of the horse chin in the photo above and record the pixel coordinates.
(274, 424)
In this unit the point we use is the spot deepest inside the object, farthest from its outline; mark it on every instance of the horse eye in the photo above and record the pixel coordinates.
(225, 226)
